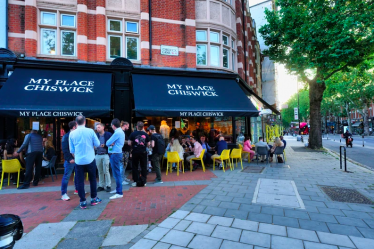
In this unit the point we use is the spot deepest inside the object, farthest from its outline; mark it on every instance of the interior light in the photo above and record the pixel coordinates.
(52, 52)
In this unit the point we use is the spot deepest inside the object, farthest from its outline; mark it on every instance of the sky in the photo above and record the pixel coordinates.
(254, 2)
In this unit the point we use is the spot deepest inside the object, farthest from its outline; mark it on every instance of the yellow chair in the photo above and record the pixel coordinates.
(173, 157)
(245, 152)
(10, 166)
(200, 158)
(86, 176)
(284, 153)
(225, 155)
(237, 154)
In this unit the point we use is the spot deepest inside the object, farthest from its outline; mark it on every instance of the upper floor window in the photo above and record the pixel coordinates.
(57, 33)
(214, 48)
(123, 39)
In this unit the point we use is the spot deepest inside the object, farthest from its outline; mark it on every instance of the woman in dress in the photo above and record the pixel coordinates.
(247, 147)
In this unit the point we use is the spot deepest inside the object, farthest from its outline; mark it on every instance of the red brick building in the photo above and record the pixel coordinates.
(205, 34)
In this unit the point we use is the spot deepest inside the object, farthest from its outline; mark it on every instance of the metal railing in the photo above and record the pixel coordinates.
(345, 159)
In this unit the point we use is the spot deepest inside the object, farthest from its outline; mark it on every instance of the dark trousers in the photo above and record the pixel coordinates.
(79, 174)
(156, 164)
(31, 159)
(142, 159)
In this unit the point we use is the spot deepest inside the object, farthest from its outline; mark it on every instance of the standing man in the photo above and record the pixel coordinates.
(139, 141)
(102, 159)
(69, 164)
(115, 144)
(197, 149)
(158, 145)
(82, 142)
(126, 153)
(34, 144)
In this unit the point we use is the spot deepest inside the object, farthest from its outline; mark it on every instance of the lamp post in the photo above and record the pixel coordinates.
(298, 105)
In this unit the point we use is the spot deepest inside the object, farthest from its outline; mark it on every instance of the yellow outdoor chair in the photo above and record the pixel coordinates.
(225, 155)
(237, 154)
(10, 166)
(173, 157)
(245, 152)
(200, 158)
(86, 176)
(163, 159)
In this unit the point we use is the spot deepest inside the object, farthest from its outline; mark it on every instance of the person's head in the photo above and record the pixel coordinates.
(221, 138)
(193, 139)
(81, 120)
(72, 125)
(202, 139)
(277, 141)
(125, 125)
(183, 140)
(172, 140)
(281, 137)
(260, 139)
(139, 125)
(100, 127)
(115, 124)
(246, 138)
(10, 145)
(152, 129)
(48, 144)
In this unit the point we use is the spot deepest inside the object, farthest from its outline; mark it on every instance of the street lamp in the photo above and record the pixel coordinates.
(298, 105)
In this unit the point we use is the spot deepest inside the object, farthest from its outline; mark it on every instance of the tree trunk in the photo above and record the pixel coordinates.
(315, 98)
(366, 120)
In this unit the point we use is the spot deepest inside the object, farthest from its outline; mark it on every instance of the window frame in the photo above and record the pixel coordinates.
(121, 47)
(48, 12)
(137, 27)
(210, 37)
(228, 57)
(75, 42)
(116, 31)
(211, 54)
(65, 26)
(223, 42)
(206, 54)
(42, 40)
(206, 35)
(137, 47)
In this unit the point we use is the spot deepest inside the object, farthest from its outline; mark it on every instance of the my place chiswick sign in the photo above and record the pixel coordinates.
(49, 85)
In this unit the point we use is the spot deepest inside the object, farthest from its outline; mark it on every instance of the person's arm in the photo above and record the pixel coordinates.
(112, 139)
(25, 143)
(153, 142)
(65, 149)
(95, 140)
(21, 157)
(5, 155)
(71, 145)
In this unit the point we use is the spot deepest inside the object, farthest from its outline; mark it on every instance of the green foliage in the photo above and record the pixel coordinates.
(288, 113)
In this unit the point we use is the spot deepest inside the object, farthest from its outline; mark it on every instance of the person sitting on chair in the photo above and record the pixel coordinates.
(197, 149)
(261, 143)
(48, 153)
(277, 143)
(9, 153)
(220, 146)
(206, 146)
(247, 147)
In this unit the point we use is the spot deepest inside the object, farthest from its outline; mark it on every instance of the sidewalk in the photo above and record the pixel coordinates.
(282, 207)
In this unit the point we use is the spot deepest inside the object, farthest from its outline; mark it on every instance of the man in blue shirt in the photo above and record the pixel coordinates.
(206, 146)
(82, 142)
(115, 144)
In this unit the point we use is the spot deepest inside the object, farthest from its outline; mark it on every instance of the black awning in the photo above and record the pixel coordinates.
(54, 93)
(183, 96)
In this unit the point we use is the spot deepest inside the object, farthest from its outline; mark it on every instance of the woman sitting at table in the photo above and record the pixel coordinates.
(10, 153)
(277, 143)
(48, 153)
(176, 147)
(247, 147)
(220, 146)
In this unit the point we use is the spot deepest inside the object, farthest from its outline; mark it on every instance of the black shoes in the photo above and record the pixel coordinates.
(100, 189)
(108, 189)
(23, 187)
(35, 184)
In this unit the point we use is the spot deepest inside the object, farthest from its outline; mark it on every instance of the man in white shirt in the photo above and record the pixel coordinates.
(82, 143)
(261, 143)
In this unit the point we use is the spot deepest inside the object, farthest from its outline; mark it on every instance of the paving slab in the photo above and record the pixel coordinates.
(273, 211)
(229, 205)
(313, 225)
(369, 222)
(161, 245)
(285, 221)
(335, 239)
(90, 229)
(267, 218)
(89, 242)
(278, 242)
(227, 233)
(312, 245)
(115, 236)
(351, 221)
(362, 243)
(234, 245)
(296, 214)
(178, 238)
(157, 233)
(272, 229)
(201, 228)
(245, 224)
(250, 208)
(257, 239)
(179, 214)
(356, 214)
(204, 242)
(197, 217)
(302, 234)
(215, 211)
(223, 221)
(236, 214)
(323, 217)
(332, 211)
(344, 230)
(144, 244)
(367, 232)
(182, 225)
(169, 223)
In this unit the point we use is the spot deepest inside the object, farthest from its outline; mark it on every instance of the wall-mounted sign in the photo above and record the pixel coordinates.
(296, 113)
(169, 50)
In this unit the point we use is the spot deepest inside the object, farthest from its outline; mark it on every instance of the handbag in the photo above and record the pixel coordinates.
(280, 159)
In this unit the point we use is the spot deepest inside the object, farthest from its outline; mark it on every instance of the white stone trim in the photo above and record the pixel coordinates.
(92, 12)
(238, 20)
(240, 65)
(30, 3)
(16, 2)
(144, 16)
(101, 41)
(191, 49)
(91, 42)
(251, 80)
(156, 47)
(239, 43)
(30, 34)
(144, 44)
(190, 22)
(251, 63)
(82, 8)
(82, 39)
(16, 35)
(100, 10)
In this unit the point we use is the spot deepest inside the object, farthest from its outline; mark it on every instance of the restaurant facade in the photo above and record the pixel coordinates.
(189, 72)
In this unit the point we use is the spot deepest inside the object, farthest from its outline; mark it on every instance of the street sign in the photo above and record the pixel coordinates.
(296, 113)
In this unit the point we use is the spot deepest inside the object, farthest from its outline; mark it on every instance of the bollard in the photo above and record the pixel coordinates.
(345, 159)
(363, 138)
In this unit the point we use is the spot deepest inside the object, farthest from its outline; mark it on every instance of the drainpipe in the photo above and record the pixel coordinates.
(150, 29)
(245, 44)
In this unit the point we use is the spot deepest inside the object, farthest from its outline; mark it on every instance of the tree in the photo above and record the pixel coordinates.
(326, 36)
(288, 113)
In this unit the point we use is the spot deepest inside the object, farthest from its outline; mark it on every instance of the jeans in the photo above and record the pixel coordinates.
(31, 159)
(69, 168)
(117, 167)
(156, 164)
(79, 177)
(102, 162)
(125, 161)
(142, 159)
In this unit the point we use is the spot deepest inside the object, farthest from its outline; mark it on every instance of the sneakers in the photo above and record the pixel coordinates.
(108, 189)
(116, 196)
(76, 192)
(83, 204)
(158, 181)
(100, 189)
(65, 197)
(133, 184)
(125, 182)
(113, 192)
(95, 201)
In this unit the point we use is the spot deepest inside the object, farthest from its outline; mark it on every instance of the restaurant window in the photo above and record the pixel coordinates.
(123, 41)
(213, 48)
(57, 33)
